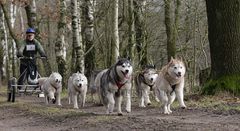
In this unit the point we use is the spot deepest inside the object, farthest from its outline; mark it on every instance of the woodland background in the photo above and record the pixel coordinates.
(89, 35)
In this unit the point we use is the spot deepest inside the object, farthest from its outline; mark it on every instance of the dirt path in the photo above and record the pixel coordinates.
(92, 117)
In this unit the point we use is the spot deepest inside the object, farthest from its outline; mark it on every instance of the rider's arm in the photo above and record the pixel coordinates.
(40, 49)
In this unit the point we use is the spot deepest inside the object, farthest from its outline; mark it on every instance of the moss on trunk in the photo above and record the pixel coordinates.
(226, 83)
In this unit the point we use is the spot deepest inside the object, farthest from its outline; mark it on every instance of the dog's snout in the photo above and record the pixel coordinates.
(53, 100)
(80, 85)
(151, 79)
(179, 73)
(126, 71)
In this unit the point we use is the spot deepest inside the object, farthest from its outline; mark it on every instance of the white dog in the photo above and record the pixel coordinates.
(145, 82)
(170, 83)
(52, 87)
(77, 85)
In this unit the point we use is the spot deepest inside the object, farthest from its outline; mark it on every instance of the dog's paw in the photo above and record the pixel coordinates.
(149, 103)
(183, 107)
(142, 106)
(128, 110)
(120, 114)
(75, 107)
(166, 112)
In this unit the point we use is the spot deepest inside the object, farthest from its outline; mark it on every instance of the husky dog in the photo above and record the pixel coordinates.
(114, 83)
(170, 83)
(144, 82)
(52, 87)
(77, 85)
(92, 87)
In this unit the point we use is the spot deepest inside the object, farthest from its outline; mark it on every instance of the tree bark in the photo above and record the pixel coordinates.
(115, 46)
(131, 32)
(140, 28)
(60, 45)
(171, 46)
(224, 38)
(88, 10)
(77, 43)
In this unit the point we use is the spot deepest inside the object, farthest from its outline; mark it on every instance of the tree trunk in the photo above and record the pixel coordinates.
(2, 44)
(13, 11)
(60, 45)
(140, 28)
(88, 10)
(171, 47)
(224, 38)
(131, 32)
(77, 43)
(32, 22)
(115, 46)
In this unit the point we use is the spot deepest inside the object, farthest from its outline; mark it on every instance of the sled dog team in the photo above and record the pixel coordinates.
(114, 85)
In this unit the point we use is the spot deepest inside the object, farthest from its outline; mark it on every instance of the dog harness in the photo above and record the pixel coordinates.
(172, 86)
(144, 81)
(53, 86)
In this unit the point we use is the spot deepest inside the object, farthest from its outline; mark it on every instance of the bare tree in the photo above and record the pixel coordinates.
(88, 28)
(115, 46)
(140, 28)
(131, 32)
(60, 45)
(77, 57)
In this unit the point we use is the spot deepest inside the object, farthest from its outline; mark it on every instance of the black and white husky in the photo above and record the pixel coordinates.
(114, 84)
(144, 83)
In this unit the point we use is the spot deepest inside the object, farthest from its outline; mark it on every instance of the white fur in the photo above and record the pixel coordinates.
(171, 74)
(77, 86)
(55, 79)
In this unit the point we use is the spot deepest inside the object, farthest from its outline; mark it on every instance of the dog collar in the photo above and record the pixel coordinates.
(53, 86)
(173, 86)
(76, 89)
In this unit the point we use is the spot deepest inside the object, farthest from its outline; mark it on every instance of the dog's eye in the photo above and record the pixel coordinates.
(123, 66)
(180, 67)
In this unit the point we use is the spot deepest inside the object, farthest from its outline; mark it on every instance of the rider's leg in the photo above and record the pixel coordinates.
(22, 75)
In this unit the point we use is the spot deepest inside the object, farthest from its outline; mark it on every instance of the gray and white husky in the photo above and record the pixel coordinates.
(114, 84)
(144, 82)
(170, 83)
(77, 87)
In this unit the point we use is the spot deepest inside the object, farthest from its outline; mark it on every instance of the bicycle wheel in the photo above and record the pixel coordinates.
(11, 89)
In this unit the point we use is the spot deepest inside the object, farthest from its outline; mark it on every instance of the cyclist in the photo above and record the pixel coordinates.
(28, 48)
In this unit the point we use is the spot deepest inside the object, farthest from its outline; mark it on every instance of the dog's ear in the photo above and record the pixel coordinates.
(172, 59)
(129, 58)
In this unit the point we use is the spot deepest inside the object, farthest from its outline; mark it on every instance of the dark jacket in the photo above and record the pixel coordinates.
(30, 49)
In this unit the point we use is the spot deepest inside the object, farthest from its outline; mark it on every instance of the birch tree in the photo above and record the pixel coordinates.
(77, 57)
(60, 45)
(115, 46)
(88, 10)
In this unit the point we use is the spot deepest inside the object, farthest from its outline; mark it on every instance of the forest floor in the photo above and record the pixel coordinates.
(30, 113)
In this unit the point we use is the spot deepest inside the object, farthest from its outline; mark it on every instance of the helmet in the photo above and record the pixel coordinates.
(30, 30)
